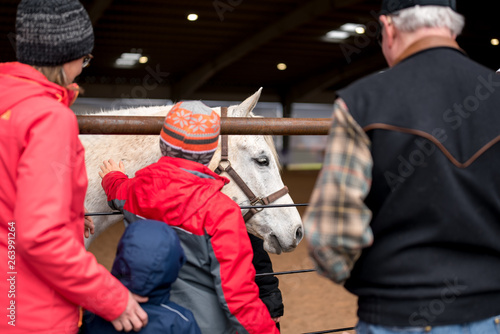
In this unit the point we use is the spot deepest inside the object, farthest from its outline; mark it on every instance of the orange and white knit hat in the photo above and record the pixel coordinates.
(190, 131)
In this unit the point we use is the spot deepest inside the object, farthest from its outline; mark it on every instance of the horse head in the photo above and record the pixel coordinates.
(255, 160)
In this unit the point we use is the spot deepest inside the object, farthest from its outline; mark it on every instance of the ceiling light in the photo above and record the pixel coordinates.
(128, 59)
(143, 60)
(344, 32)
(360, 30)
(131, 56)
(353, 28)
(337, 35)
(281, 66)
(192, 17)
(495, 41)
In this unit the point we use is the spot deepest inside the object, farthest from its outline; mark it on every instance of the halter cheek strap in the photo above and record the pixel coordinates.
(254, 200)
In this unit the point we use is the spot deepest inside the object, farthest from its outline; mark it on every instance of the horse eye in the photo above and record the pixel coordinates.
(262, 161)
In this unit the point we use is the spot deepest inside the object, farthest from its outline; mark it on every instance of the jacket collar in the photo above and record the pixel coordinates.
(192, 166)
(426, 43)
(37, 83)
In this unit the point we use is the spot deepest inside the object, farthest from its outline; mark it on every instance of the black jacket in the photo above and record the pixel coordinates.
(434, 125)
(269, 291)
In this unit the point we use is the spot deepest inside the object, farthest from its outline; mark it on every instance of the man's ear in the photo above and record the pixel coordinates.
(388, 30)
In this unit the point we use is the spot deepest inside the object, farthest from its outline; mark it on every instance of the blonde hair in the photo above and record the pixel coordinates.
(56, 75)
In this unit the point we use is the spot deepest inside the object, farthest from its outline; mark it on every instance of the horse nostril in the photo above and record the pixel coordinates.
(273, 240)
(299, 234)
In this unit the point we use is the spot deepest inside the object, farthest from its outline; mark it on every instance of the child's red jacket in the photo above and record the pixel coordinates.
(217, 281)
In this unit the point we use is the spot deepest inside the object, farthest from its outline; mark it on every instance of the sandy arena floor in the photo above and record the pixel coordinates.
(312, 303)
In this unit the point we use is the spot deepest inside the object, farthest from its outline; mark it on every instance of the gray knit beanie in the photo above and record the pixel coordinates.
(52, 32)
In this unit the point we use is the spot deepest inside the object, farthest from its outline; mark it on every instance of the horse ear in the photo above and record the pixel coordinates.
(246, 107)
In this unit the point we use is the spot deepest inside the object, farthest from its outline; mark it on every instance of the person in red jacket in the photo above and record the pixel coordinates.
(217, 282)
(46, 272)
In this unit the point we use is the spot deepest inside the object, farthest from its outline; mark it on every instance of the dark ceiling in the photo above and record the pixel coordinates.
(235, 45)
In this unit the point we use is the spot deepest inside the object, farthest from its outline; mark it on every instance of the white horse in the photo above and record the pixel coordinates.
(254, 158)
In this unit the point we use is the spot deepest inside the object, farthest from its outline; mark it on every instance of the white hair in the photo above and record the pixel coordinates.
(413, 18)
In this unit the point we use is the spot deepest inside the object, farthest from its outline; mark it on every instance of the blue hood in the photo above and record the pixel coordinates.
(148, 259)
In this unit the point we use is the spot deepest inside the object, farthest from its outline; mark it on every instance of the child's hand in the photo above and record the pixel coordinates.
(111, 166)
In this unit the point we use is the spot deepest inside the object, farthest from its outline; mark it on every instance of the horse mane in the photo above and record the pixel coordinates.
(133, 111)
(269, 140)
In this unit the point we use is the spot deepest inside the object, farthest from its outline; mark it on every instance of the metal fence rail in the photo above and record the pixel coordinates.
(333, 330)
(242, 207)
(140, 125)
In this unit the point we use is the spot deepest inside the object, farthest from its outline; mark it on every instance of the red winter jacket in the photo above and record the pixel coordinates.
(217, 282)
(46, 271)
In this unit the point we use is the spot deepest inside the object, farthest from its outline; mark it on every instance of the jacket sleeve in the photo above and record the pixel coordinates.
(337, 219)
(47, 239)
(115, 187)
(269, 291)
(232, 269)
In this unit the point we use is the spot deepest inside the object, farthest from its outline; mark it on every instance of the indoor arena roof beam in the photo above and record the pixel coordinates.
(306, 13)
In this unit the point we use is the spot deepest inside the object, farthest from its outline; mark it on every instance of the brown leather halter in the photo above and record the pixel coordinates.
(254, 200)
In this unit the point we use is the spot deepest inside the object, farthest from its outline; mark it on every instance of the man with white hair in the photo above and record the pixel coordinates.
(406, 209)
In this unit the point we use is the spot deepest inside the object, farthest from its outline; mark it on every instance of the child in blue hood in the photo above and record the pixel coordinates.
(147, 262)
